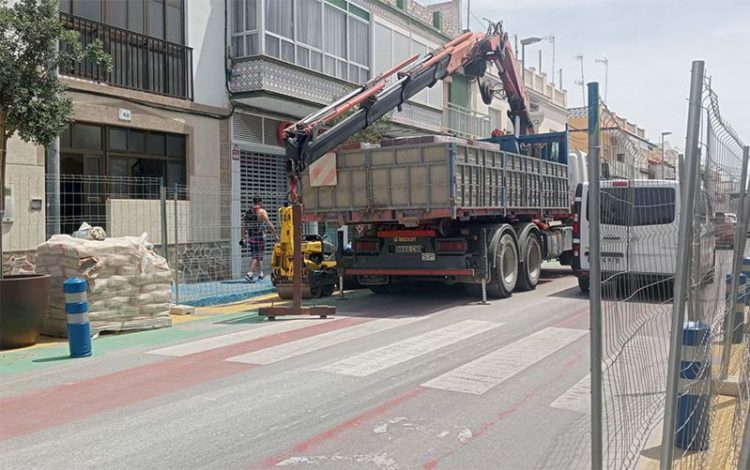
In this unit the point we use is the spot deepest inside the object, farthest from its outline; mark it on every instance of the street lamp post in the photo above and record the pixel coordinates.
(533, 40)
(605, 62)
(525, 42)
(663, 134)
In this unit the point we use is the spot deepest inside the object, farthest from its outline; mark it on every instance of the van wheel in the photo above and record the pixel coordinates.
(531, 269)
(583, 284)
(505, 275)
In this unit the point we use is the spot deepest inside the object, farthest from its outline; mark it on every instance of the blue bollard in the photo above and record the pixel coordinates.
(77, 309)
(738, 317)
(746, 272)
(694, 401)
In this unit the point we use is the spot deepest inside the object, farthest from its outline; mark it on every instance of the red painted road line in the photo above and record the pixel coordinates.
(341, 428)
(567, 321)
(43, 409)
(514, 407)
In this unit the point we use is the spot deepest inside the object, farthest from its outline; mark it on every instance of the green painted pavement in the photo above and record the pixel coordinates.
(16, 362)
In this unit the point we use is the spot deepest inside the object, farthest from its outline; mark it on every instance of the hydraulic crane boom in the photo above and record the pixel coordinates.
(310, 138)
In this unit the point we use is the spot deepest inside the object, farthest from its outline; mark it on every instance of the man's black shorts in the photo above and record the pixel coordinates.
(257, 245)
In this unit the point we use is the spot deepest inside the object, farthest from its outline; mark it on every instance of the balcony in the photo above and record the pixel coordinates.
(272, 85)
(139, 62)
(464, 122)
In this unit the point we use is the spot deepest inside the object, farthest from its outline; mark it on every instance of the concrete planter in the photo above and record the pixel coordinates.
(24, 302)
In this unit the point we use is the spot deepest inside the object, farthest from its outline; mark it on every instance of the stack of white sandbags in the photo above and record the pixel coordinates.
(129, 286)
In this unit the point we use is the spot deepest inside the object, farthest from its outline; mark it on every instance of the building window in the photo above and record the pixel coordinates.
(391, 46)
(331, 36)
(620, 157)
(162, 19)
(126, 153)
(245, 28)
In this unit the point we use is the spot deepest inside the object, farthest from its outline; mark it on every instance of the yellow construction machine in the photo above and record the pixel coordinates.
(319, 275)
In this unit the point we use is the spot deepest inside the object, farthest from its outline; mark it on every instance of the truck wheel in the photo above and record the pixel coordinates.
(505, 274)
(531, 269)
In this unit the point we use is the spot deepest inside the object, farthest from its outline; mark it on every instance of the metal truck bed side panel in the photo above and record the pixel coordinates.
(457, 178)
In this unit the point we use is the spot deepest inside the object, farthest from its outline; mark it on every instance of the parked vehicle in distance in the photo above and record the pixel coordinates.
(725, 224)
(639, 232)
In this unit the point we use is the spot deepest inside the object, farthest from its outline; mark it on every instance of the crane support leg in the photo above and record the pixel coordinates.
(296, 308)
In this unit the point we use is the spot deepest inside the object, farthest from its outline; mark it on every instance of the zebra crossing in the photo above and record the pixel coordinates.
(475, 377)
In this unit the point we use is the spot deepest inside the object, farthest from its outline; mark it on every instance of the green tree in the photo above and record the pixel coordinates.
(371, 134)
(32, 100)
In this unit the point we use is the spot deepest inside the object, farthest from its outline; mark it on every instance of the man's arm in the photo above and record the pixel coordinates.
(264, 216)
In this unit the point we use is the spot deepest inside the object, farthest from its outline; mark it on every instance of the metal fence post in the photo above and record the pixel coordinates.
(740, 236)
(595, 279)
(682, 278)
(176, 261)
(744, 458)
(163, 213)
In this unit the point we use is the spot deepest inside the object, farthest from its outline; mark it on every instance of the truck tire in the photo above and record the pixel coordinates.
(505, 273)
(530, 270)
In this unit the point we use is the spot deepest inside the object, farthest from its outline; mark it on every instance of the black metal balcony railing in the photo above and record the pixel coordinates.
(139, 62)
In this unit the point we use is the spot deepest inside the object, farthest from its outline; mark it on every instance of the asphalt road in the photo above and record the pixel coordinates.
(393, 382)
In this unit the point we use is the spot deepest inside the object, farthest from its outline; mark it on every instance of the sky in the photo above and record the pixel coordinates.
(650, 45)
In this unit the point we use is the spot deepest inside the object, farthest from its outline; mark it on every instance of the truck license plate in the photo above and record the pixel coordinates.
(409, 249)
(428, 256)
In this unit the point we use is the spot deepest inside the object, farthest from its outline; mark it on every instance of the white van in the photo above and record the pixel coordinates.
(639, 231)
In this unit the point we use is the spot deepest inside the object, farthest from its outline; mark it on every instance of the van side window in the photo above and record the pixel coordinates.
(637, 206)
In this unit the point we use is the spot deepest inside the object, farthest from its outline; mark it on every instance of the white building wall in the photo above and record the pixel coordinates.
(205, 34)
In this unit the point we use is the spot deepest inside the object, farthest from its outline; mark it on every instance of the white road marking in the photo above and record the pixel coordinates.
(324, 340)
(577, 398)
(216, 342)
(650, 355)
(490, 370)
(396, 353)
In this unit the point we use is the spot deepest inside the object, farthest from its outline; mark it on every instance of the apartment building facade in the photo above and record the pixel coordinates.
(161, 112)
(197, 95)
(626, 151)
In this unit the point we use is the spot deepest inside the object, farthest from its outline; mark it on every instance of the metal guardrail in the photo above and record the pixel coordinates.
(139, 62)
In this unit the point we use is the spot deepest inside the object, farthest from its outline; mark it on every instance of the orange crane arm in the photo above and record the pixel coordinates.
(310, 138)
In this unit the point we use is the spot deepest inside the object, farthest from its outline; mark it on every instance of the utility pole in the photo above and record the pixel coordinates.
(53, 175)
(604, 61)
(582, 82)
(468, 15)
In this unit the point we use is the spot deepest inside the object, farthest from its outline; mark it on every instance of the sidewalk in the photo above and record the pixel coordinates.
(722, 451)
(205, 322)
(203, 294)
